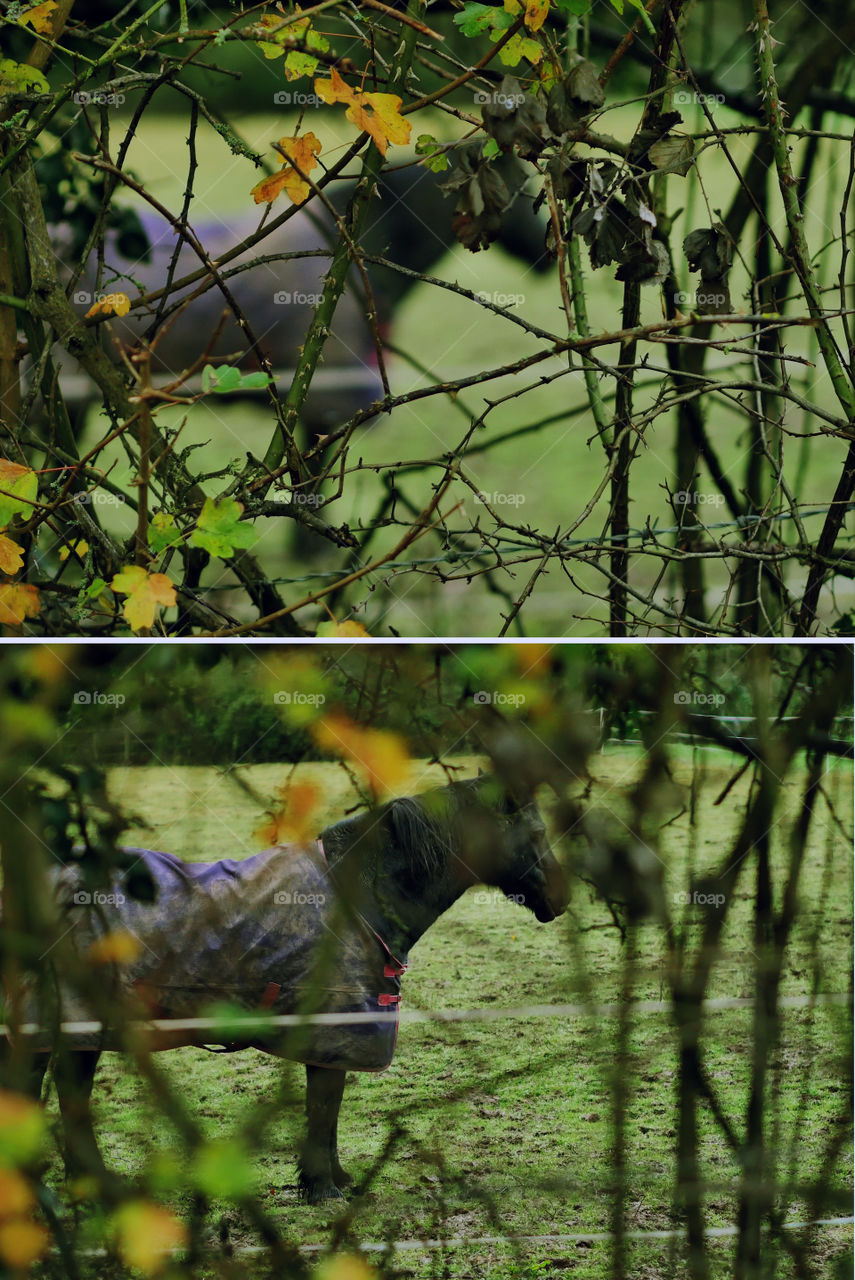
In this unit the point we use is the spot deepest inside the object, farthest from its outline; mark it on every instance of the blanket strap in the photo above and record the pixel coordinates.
(271, 992)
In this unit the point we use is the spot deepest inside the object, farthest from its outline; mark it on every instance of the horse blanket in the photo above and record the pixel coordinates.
(264, 933)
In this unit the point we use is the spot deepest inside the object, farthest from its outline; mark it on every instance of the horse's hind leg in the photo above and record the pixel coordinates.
(74, 1073)
(320, 1173)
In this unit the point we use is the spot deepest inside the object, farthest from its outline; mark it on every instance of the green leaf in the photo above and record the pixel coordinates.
(226, 378)
(518, 47)
(435, 160)
(21, 491)
(672, 154)
(579, 8)
(475, 18)
(298, 64)
(95, 588)
(490, 149)
(21, 77)
(222, 1170)
(220, 529)
(163, 532)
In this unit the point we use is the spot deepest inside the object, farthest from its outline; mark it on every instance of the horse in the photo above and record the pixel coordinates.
(409, 224)
(298, 929)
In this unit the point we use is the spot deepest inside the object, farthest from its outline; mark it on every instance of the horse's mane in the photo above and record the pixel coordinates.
(421, 829)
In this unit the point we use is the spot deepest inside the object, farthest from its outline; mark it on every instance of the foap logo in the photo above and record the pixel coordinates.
(98, 99)
(499, 99)
(98, 498)
(499, 499)
(691, 697)
(495, 898)
(83, 898)
(291, 697)
(286, 299)
(85, 698)
(687, 98)
(500, 299)
(697, 899)
(286, 899)
(82, 298)
(283, 98)
(686, 497)
(488, 697)
(702, 298)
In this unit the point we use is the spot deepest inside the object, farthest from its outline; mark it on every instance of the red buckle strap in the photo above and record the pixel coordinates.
(271, 992)
(384, 1000)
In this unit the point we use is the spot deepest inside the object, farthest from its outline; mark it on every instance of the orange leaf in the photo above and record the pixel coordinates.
(535, 13)
(40, 17)
(21, 1242)
(111, 304)
(533, 659)
(16, 1197)
(119, 947)
(379, 114)
(18, 600)
(145, 591)
(147, 1235)
(380, 755)
(295, 819)
(11, 555)
(303, 150)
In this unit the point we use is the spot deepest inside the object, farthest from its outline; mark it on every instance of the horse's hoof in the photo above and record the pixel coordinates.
(341, 1178)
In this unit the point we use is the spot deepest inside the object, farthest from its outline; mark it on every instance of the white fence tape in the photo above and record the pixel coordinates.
(456, 1242)
(250, 1022)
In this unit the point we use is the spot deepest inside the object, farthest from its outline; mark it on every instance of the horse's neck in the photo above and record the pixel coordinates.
(401, 922)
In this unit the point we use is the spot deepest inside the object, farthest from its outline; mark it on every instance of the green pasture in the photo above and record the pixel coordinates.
(546, 474)
(507, 1125)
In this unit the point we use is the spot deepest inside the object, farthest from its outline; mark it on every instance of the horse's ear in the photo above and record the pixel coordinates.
(482, 773)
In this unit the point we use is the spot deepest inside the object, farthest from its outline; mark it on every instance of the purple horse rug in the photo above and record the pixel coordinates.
(267, 933)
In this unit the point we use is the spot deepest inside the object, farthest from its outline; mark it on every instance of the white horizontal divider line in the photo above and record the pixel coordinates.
(261, 1021)
(571, 1237)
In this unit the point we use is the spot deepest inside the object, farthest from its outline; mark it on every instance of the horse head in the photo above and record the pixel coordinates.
(508, 848)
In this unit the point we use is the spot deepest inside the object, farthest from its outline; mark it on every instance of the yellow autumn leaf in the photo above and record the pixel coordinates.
(11, 555)
(535, 13)
(111, 304)
(303, 151)
(345, 1267)
(118, 947)
(79, 548)
(147, 1235)
(40, 17)
(378, 114)
(145, 591)
(379, 755)
(348, 630)
(296, 818)
(18, 600)
(22, 1242)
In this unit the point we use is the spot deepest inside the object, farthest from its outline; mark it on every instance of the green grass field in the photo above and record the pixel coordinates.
(506, 1125)
(553, 471)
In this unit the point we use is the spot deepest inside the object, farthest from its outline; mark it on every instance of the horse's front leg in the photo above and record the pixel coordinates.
(320, 1173)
